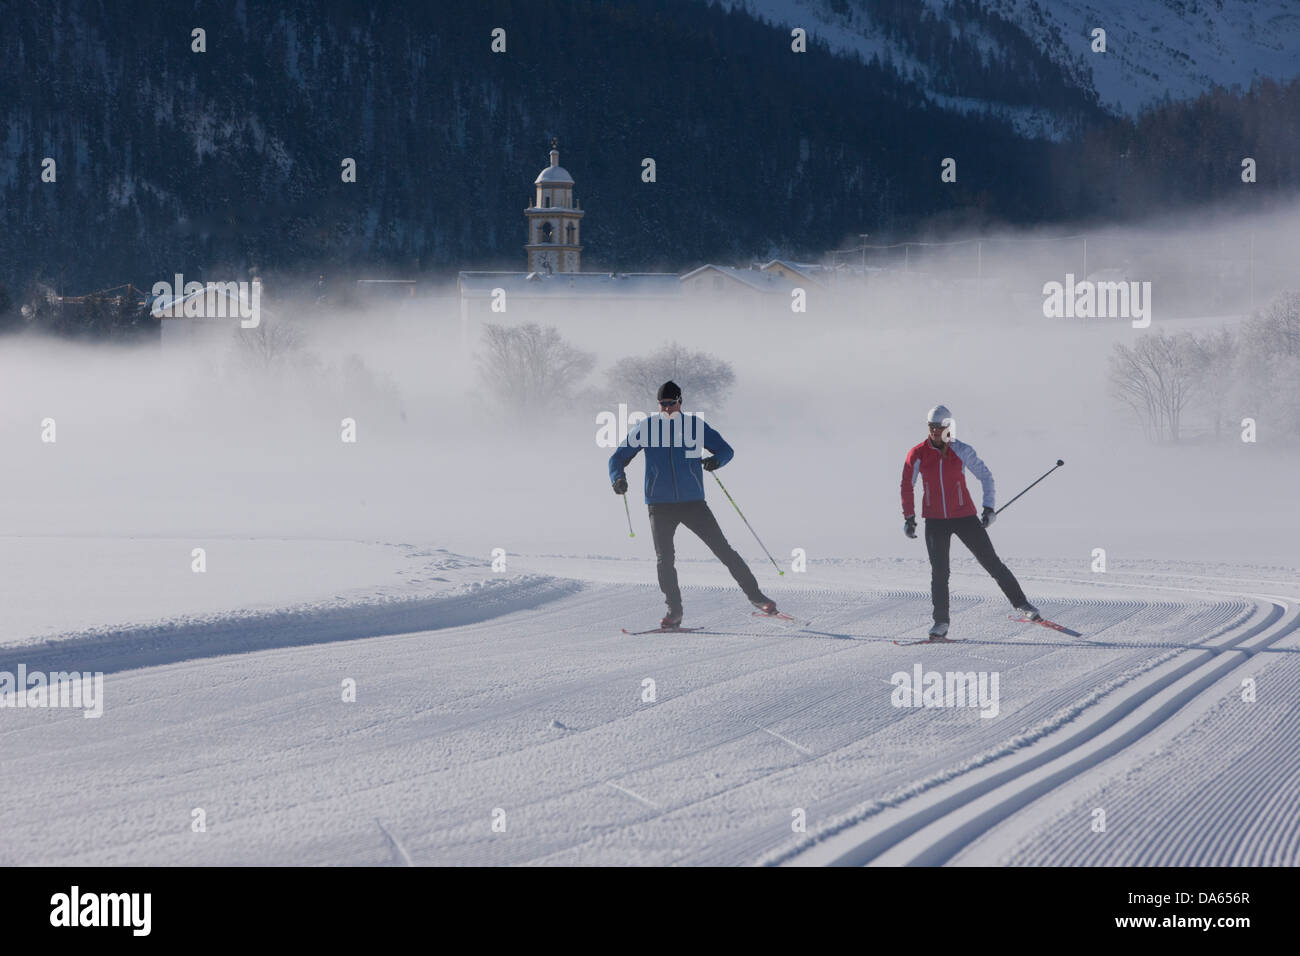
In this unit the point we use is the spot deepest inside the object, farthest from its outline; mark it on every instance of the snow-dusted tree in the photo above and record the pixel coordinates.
(705, 379)
(1268, 368)
(1216, 355)
(1279, 324)
(529, 369)
(1156, 379)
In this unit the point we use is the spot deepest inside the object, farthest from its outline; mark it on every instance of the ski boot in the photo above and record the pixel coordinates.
(1029, 611)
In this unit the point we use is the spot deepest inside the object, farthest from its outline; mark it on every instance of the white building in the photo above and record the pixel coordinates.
(551, 295)
(766, 291)
(212, 315)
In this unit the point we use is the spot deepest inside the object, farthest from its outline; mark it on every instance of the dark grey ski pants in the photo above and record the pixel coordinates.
(665, 518)
(938, 541)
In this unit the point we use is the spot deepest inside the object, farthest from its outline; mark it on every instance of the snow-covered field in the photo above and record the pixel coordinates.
(515, 698)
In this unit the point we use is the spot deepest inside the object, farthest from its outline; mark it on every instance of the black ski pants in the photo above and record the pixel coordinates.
(664, 519)
(938, 541)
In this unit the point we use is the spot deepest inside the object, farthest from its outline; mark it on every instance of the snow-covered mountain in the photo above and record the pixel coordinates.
(1155, 48)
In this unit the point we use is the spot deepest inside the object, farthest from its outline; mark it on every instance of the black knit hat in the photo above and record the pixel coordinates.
(669, 389)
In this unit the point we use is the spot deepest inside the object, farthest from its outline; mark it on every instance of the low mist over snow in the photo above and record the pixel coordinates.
(224, 440)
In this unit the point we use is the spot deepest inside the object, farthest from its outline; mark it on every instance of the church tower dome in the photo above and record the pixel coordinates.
(554, 221)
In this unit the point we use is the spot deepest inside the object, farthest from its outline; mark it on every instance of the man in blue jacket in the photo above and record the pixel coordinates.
(674, 492)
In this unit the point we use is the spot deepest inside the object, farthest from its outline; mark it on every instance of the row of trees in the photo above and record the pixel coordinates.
(532, 370)
(10, 317)
(1165, 379)
(1226, 376)
(185, 160)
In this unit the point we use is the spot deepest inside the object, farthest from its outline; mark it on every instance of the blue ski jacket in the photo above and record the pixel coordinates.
(673, 450)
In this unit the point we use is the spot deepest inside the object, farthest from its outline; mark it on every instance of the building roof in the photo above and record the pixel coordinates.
(808, 270)
(164, 306)
(766, 282)
(565, 285)
(554, 175)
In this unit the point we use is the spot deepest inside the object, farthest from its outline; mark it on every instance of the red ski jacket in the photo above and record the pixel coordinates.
(943, 479)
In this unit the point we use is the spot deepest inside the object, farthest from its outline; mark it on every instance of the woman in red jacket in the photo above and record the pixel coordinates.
(940, 462)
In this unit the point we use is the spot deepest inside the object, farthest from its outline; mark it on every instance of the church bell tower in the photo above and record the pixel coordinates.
(554, 221)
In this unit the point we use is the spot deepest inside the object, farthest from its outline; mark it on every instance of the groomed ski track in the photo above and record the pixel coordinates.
(528, 706)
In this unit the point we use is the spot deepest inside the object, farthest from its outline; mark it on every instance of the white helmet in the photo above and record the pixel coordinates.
(939, 415)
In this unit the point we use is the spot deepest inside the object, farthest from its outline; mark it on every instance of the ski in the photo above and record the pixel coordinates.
(662, 630)
(1046, 623)
(782, 617)
(926, 640)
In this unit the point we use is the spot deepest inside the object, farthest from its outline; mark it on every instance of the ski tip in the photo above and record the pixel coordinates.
(1051, 625)
(778, 616)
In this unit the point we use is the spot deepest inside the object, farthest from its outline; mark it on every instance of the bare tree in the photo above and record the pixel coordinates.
(530, 369)
(1268, 369)
(1133, 388)
(268, 344)
(704, 378)
(1216, 359)
(1156, 379)
(1278, 326)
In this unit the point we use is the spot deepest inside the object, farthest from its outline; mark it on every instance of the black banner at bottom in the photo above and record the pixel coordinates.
(332, 906)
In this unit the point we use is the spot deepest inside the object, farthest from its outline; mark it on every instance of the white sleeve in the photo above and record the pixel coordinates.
(977, 468)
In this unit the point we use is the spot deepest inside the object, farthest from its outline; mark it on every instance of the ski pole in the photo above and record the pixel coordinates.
(747, 524)
(628, 509)
(1058, 464)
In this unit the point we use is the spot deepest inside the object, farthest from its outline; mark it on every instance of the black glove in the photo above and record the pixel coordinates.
(708, 464)
(988, 516)
(909, 526)
(620, 486)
